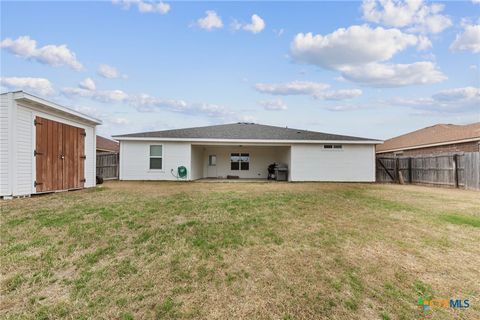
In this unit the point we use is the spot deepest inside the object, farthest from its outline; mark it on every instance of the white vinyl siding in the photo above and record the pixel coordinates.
(135, 160)
(4, 146)
(24, 175)
(312, 162)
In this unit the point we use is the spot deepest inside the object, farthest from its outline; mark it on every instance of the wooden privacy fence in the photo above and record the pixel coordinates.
(107, 165)
(450, 170)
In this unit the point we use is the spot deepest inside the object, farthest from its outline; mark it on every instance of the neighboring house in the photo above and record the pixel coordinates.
(105, 145)
(44, 146)
(440, 138)
(245, 150)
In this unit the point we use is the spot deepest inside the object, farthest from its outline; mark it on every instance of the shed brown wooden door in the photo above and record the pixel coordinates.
(60, 156)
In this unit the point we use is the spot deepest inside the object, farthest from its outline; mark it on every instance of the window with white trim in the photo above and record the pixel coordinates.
(240, 161)
(156, 157)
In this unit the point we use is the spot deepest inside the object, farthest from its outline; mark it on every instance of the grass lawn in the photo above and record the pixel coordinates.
(135, 250)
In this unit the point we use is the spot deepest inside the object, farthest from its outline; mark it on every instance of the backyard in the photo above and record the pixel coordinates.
(134, 250)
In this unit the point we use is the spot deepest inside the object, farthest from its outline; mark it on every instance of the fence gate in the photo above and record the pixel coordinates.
(107, 165)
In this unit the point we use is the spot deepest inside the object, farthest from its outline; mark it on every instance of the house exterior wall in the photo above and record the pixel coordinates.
(17, 161)
(260, 158)
(472, 146)
(310, 162)
(197, 163)
(135, 160)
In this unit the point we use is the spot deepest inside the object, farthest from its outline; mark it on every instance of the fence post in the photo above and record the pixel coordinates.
(397, 169)
(410, 179)
(455, 168)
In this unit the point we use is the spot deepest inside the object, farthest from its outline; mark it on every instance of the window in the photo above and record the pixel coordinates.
(156, 157)
(239, 161)
(332, 146)
(244, 161)
(212, 160)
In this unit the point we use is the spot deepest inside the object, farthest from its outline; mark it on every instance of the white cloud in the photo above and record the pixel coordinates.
(292, 88)
(87, 84)
(273, 105)
(342, 94)
(119, 120)
(468, 40)
(458, 94)
(317, 90)
(394, 75)
(148, 103)
(354, 46)
(414, 14)
(40, 86)
(109, 72)
(455, 100)
(343, 107)
(53, 55)
(210, 21)
(424, 43)
(145, 6)
(257, 24)
(106, 96)
(278, 32)
(476, 1)
(87, 89)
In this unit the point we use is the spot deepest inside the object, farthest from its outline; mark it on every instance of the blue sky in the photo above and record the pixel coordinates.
(371, 68)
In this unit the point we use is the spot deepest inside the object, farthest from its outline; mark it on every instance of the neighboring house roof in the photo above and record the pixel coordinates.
(243, 131)
(439, 134)
(22, 96)
(104, 144)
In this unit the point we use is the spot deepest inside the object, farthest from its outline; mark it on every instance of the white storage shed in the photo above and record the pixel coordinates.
(44, 147)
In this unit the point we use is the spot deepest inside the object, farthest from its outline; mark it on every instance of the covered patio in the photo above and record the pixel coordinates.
(237, 161)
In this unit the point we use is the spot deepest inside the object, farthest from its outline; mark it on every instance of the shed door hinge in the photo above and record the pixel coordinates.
(83, 134)
(83, 180)
(35, 183)
(83, 157)
(36, 153)
(35, 122)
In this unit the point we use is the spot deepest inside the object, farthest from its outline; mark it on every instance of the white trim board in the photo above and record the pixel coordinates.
(200, 141)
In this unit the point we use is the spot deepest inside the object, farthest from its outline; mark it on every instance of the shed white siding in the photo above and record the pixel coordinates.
(17, 144)
(135, 160)
(23, 152)
(4, 145)
(311, 162)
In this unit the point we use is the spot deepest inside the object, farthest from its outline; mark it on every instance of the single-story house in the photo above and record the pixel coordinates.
(105, 145)
(245, 150)
(437, 139)
(44, 147)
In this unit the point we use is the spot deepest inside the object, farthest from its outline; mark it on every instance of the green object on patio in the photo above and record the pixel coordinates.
(182, 172)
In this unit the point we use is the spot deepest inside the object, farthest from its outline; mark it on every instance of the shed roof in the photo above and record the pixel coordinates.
(241, 131)
(436, 134)
(27, 98)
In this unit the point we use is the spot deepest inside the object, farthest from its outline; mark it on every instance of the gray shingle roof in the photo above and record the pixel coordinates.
(242, 131)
